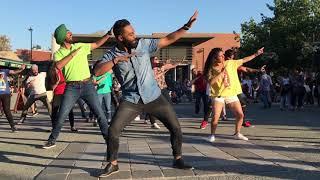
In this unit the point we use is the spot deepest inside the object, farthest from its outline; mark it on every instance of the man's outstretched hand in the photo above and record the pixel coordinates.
(124, 58)
(260, 51)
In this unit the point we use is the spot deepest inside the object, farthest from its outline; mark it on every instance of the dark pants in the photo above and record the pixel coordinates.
(160, 108)
(297, 95)
(81, 103)
(33, 98)
(56, 102)
(266, 98)
(5, 100)
(201, 96)
(73, 92)
(208, 112)
(115, 99)
(165, 93)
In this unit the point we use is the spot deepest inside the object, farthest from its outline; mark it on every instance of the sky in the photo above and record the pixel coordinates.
(147, 16)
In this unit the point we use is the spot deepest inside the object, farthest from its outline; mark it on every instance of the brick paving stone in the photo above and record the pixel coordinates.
(152, 174)
(177, 172)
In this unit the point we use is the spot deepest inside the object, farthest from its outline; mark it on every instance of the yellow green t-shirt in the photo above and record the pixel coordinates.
(234, 88)
(77, 68)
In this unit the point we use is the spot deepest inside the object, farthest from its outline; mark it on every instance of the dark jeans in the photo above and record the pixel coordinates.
(297, 95)
(5, 100)
(266, 98)
(165, 93)
(56, 102)
(82, 109)
(33, 98)
(105, 102)
(201, 96)
(73, 92)
(208, 112)
(309, 98)
(160, 108)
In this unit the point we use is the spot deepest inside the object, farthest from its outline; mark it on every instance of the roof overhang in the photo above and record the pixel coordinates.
(188, 39)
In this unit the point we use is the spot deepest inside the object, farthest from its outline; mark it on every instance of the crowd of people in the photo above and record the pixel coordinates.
(139, 76)
(132, 79)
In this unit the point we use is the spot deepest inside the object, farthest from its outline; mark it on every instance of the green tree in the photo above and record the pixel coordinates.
(289, 36)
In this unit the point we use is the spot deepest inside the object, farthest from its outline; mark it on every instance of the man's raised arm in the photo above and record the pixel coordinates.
(174, 36)
(101, 41)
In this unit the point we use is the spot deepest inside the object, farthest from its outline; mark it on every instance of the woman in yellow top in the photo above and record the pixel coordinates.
(224, 87)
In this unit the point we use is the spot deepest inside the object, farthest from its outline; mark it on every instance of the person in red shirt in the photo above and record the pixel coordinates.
(200, 85)
(59, 84)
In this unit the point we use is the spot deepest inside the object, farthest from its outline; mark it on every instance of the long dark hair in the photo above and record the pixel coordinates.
(53, 76)
(213, 55)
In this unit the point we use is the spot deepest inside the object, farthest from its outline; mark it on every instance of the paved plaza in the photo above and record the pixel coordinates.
(282, 145)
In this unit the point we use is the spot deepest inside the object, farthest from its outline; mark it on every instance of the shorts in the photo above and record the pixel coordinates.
(227, 100)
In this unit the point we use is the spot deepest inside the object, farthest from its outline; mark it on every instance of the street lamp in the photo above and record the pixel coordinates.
(30, 29)
(202, 51)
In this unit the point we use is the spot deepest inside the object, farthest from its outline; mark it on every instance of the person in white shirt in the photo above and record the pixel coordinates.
(38, 92)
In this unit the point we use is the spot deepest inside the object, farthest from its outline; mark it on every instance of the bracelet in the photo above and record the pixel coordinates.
(185, 27)
(109, 33)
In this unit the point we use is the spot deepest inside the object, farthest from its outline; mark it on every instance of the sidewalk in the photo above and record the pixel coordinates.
(275, 150)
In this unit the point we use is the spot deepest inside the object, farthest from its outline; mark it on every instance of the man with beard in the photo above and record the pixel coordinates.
(72, 59)
(36, 83)
(140, 90)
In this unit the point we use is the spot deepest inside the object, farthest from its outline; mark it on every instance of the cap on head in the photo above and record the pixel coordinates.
(60, 33)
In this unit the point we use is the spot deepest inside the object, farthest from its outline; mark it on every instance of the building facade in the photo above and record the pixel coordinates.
(191, 50)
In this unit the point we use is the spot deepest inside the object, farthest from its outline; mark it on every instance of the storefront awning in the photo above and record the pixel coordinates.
(13, 64)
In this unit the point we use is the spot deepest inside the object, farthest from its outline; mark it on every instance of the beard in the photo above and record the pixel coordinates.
(130, 45)
(69, 40)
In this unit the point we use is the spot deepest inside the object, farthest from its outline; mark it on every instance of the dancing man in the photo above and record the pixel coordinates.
(72, 58)
(139, 88)
(37, 83)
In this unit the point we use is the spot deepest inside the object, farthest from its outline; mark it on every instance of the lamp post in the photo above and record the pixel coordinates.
(30, 29)
(201, 51)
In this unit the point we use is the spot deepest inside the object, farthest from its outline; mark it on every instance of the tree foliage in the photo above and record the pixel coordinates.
(289, 36)
(5, 44)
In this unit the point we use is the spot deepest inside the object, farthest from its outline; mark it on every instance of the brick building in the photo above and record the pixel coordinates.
(37, 55)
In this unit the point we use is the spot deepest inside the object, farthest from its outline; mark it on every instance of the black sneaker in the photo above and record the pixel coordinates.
(179, 163)
(110, 169)
(95, 123)
(73, 129)
(14, 129)
(49, 145)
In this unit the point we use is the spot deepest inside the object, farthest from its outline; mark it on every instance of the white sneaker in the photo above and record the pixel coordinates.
(155, 126)
(145, 122)
(137, 118)
(240, 137)
(212, 138)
